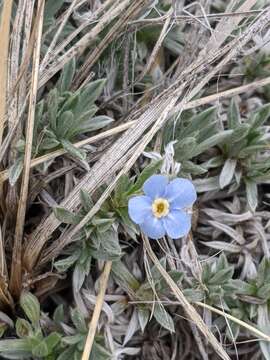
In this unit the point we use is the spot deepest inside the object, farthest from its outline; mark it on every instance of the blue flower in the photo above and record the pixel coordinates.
(163, 207)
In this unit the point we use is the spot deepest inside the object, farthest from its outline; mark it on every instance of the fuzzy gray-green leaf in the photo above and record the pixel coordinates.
(163, 317)
(252, 194)
(30, 306)
(227, 172)
(72, 150)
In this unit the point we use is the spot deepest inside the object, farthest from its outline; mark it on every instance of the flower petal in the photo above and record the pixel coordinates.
(177, 224)
(153, 227)
(180, 193)
(139, 207)
(155, 186)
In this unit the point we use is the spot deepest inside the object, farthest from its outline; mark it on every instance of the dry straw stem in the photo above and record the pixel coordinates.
(4, 45)
(97, 310)
(157, 46)
(180, 18)
(18, 46)
(188, 308)
(102, 170)
(22, 72)
(225, 26)
(3, 265)
(118, 129)
(29, 50)
(252, 329)
(16, 271)
(4, 298)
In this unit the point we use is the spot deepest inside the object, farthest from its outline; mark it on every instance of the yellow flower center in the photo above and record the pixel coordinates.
(160, 207)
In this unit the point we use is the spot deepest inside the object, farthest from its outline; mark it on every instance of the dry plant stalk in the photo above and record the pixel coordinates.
(5, 298)
(16, 266)
(157, 46)
(252, 329)
(21, 73)
(4, 44)
(97, 310)
(188, 18)
(225, 26)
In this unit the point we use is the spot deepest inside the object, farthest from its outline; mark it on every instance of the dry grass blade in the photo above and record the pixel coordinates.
(4, 44)
(188, 308)
(225, 26)
(97, 310)
(21, 74)
(224, 94)
(157, 46)
(180, 18)
(16, 272)
(252, 329)
(5, 298)
(3, 265)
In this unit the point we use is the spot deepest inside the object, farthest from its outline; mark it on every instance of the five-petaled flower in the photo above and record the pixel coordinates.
(164, 207)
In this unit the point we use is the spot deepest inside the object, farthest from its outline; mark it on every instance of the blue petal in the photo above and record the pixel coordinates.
(153, 227)
(155, 186)
(180, 193)
(139, 207)
(177, 224)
